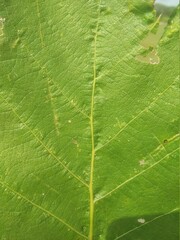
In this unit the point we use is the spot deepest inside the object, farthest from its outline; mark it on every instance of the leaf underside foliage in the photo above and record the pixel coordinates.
(88, 130)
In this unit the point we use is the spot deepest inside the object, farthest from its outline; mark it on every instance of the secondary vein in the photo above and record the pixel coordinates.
(48, 150)
(154, 219)
(43, 209)
(135, 176)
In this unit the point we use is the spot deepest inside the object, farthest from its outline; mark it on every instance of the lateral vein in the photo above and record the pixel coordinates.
(154, 219)
(135, 117)
(42, 209)
(135, 176)
(44, 145)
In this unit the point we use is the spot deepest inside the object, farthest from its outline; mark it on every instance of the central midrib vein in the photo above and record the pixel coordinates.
(91, 190)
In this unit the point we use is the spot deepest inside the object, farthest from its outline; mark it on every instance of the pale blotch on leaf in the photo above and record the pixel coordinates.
(2, 21)
(142, 162)
(141, 220)
(151, 41)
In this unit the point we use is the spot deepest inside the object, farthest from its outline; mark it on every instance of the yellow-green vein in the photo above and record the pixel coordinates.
(46, 73)
(135, 176)
(136, 117)
(49, 151)
(154, 219)
(42, 209)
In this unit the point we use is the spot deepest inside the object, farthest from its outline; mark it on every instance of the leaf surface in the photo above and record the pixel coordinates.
(88, 121)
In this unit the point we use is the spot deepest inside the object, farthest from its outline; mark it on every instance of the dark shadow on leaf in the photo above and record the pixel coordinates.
(148, 227)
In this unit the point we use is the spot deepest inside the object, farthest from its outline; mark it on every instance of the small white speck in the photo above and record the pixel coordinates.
(69, 121)
(43, 194)
(141, 220)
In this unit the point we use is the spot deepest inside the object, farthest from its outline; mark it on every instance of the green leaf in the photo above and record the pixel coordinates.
(88, 121)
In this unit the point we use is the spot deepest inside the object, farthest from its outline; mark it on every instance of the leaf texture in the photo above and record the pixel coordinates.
(89, 133)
